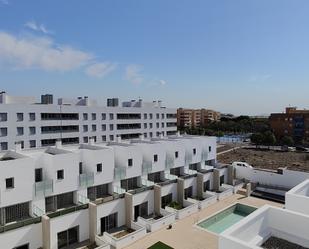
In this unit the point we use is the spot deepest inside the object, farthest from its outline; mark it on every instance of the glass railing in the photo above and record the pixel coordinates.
(43, 188)
(147, 183)
(18, 224)
(119, 173)
(146, 167)
(170, 176)
(169, 161)
(86, 179)
(37, 211)
(204, 155)
(190, 171)
(118, 190)
(82, 199)
(188, 158)
(67, 210)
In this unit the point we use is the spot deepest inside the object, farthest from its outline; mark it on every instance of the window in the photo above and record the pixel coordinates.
(145, 125)
(145, 115)
(3, 132)
(85, 139)
(103, 116)
(85, 116)
(38, 175)
(176, 154)
(111, 127)
(145, 134)
(32, 130)
(111, 116)
(130, 162)
(9, 182)
(94, 116)
(150, 134)
(20, 131)
(80, 166)
(20, 116)
(206, 186)
(150, 115)
(209, 148)
(32, 143)
(194, 151)
(104, 138)
(155, 158)
(111, 137)
(85, 128)
(3, 146)
(162, 115)
(60, 174)
(150, 125)
(158, 125)
(99, 167)
(3, 116)
(103, 127)
(31, 116)
(94, 127)
(158, 115)
(162, 125)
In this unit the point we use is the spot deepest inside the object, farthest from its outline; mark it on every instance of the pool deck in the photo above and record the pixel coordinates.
(185, 235)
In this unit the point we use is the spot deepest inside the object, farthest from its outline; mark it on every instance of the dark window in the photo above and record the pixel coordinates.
(94, 116)
(206, 185)
(194, 151)
(38, 175)
(80, 168)
(130, 162)
(60, 174)
(176, 154)
(31, 116)
(155, 158)
(188, 192)
(209, 148)
(166, 200)
(99, 167)
(9, 182)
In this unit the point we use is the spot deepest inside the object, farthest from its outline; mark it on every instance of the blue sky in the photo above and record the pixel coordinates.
(240, 56)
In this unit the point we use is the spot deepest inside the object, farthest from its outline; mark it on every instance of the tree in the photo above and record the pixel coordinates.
(287, 140)
(269, 138)
(257, 138)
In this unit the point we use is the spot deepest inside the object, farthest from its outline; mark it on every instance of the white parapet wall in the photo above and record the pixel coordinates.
(297, 199)
(209, 199)
(190, 207)
(266, 222)
(225, 192)
(126, 240)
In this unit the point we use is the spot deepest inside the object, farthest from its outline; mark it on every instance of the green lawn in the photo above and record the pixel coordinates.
(160, 245)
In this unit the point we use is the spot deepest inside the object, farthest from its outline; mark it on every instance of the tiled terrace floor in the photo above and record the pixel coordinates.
(184, 235)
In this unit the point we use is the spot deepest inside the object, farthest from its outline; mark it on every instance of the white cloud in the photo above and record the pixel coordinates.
(39, 53)
(100, 70)
(133, 74)
(260, 77)
(162, 82)
(37, 27)
(6, 2)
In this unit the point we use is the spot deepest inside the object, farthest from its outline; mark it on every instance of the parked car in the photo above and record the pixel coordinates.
(242, 164)
(301, 148)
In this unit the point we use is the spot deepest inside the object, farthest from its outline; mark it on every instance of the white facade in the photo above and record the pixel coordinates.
(33, 124)
(45, 192)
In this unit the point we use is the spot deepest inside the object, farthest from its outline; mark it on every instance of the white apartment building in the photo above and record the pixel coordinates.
(35, 125)
(58, 196)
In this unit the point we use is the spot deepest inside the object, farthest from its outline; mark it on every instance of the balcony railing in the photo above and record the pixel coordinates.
(146, 167)
(169, 161)
(118, 190)
(43, 188)
(86, 179)
(119, 173)
(188, 158)
(67, 210)
(37, 211)
(147, 183)
(82, 199)
(18, 224)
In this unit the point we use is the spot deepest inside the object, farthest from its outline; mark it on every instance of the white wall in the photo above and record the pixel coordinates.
(146, 196)
(170, 188)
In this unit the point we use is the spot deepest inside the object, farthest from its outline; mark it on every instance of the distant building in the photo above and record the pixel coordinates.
(293, 123)
(195, 118)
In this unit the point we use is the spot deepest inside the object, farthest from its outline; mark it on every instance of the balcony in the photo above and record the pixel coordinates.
(18, 224)
(119, 173)
(146, 167)
(43, 188)
(86, 179)
(169, 161)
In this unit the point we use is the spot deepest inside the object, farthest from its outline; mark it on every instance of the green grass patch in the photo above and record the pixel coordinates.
(175, 205)
(160, 245)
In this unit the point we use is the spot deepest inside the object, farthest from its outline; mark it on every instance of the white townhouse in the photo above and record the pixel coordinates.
(61, 195)
(39, 124)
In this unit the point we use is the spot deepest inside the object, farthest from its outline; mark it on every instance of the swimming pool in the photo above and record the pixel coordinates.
(226, 218)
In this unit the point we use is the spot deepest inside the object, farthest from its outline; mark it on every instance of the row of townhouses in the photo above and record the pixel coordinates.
(40, 123)
(58, 196)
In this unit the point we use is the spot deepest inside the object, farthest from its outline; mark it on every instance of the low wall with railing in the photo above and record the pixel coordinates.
(190, 207)
(209, 199)
(127, 239)
(225, 192)
(101, 244)
(156, 224)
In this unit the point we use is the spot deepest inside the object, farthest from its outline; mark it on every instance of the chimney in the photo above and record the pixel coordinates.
(118, 139)
(91, 140)
(58, 144)
(17, 146)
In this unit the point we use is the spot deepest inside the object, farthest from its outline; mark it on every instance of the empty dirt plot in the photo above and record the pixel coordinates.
(268, 159)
